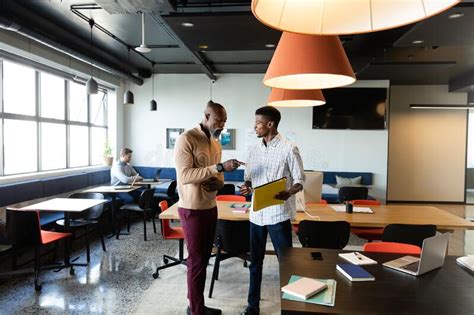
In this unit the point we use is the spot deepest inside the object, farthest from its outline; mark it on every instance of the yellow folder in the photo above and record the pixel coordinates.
(264, 195)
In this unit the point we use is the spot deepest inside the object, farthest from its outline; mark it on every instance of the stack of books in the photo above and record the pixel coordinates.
(310, 290)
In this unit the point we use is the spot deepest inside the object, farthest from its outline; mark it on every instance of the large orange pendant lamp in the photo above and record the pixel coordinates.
(337, 17)
(306, 62)
(296, 98)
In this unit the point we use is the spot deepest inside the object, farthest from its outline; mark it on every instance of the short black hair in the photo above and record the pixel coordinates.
(271, 113)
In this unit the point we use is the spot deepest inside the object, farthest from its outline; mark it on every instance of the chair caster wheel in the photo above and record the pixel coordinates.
(155, 275)
(165, 260)
(38, 287)
(72, 272)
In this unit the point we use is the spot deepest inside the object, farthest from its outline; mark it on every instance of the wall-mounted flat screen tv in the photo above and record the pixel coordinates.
(352, 108)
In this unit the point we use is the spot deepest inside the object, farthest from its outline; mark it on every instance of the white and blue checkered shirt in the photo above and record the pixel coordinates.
(266, 163)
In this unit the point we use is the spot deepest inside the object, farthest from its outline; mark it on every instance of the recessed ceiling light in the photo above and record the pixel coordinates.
(187, 24)
(418, 41)
(203, 46)
(270, 45)
(456, 15)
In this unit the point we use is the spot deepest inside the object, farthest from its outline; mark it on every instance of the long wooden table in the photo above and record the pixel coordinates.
(382, 216)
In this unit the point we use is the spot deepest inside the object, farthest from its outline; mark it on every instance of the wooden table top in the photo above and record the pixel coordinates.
(110, 190)
(382, 216)
(161, 181)
(448, 290)
(65, 204)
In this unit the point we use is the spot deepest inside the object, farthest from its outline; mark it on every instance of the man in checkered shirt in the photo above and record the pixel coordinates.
(269, 160)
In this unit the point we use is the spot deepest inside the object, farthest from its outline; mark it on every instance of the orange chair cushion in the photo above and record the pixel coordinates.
(392, 247)
(237, 198)
(174, 233)
(50, 237)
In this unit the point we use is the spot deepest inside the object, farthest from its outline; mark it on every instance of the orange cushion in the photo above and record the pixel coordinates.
(296, 228)
(392, 247)
(49, 236)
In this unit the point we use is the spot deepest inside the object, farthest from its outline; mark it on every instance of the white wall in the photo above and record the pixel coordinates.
(427, 148)
(182, 97)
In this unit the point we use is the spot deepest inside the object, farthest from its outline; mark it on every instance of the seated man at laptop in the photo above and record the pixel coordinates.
(122, 173)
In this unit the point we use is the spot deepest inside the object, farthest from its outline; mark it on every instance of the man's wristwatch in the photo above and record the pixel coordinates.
(220, 167)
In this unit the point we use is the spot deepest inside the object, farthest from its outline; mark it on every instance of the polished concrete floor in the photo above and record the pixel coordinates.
(117, 280)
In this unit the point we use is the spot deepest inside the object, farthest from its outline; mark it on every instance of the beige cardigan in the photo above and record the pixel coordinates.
(196, 157)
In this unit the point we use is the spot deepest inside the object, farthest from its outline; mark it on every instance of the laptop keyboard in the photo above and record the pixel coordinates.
(412, 267)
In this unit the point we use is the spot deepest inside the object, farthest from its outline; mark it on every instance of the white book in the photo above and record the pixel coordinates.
(354, 209)
(466, 261)
(304, 288)
(357, 259)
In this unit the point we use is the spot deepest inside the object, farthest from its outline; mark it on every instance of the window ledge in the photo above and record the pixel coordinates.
(39, 175)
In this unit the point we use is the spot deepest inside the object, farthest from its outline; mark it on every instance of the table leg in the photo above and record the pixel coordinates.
(115, 226)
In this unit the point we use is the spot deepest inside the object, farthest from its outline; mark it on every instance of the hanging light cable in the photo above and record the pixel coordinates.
(128, 98)
(153, 105)
(91, 84)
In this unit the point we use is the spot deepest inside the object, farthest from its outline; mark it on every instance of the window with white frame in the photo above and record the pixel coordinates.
(48, 122)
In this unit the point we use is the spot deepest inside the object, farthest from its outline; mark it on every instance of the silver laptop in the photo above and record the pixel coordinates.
(432, 257)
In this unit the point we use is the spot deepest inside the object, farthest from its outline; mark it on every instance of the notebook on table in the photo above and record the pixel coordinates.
(326, 297)
(354, 272)
(304, 287)
(432, 256)
(357, 258)
(466, 261)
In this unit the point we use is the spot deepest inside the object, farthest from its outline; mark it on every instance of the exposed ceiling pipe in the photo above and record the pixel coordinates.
(11, 25)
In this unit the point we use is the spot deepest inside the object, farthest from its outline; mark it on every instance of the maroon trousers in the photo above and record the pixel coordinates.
(199, 229)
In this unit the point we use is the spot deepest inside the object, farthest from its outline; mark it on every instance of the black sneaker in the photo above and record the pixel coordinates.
(212, 311)
(207, 311)
(251, 311)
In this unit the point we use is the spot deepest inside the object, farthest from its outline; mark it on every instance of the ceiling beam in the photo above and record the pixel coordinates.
(196, 56)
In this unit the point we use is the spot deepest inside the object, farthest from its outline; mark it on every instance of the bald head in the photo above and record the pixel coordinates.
(215, 117)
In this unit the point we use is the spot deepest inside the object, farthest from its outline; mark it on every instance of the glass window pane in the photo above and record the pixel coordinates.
(77, 102)
(20, 146)
(98, 107)
(52, 96)
(18, 89)
(53, 146)
(79, 146)
(98, 136)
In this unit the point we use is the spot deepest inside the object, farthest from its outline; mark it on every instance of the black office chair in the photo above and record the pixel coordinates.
(408, 233)
(322, 234)
(144, 206)
(171, 196)
(232, 240)
(352, 193)
(227, 189)
(86, 220)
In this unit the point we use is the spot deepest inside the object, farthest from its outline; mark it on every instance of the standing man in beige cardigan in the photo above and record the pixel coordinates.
(200, 176)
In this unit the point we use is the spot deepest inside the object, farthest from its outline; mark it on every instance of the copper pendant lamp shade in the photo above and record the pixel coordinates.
(296, 98)
(338, 17)
(306, 62)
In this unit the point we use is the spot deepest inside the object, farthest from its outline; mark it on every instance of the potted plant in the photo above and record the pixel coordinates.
(108, 158)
